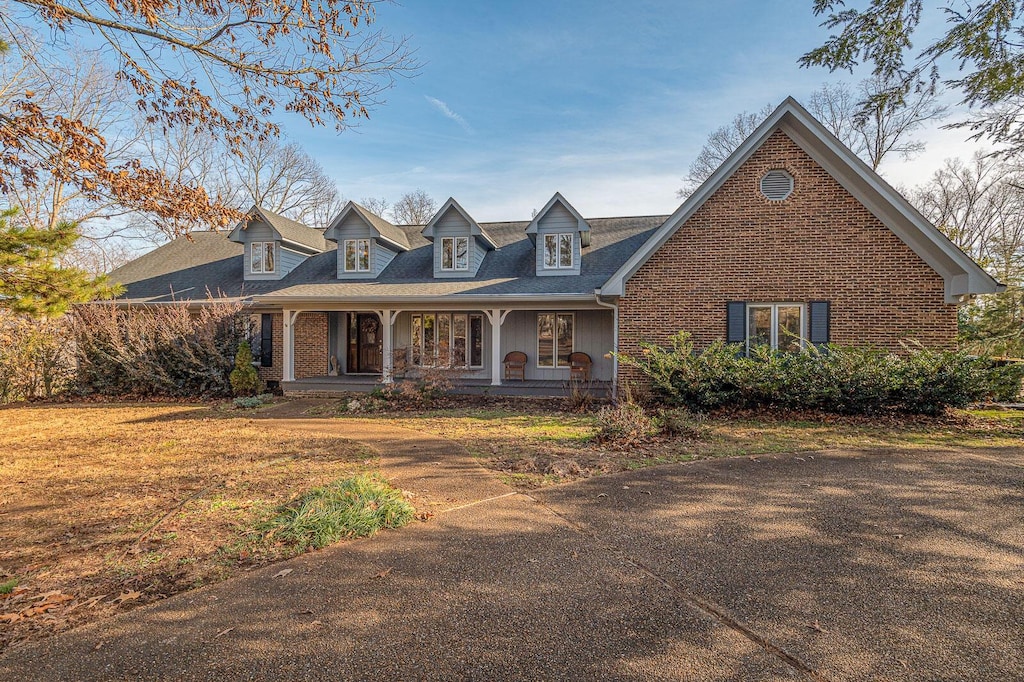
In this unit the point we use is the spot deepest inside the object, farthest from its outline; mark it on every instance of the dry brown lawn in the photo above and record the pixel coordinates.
(105, 506)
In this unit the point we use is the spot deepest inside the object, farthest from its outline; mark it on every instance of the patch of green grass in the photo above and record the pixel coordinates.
(8, 586)
(353, 507)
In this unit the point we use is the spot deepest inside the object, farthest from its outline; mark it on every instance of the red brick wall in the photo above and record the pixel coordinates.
(275, 372)
(819, 243)
(311, 345)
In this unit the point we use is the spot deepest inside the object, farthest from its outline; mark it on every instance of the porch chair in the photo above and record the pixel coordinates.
(579, 366)
(515, 365)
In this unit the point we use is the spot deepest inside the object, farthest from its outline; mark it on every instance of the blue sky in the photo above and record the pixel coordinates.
(607, 102)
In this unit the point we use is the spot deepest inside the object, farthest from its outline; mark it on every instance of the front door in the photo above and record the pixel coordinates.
(365, 344)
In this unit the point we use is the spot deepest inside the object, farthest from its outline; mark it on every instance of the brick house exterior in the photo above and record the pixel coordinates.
(792, 241)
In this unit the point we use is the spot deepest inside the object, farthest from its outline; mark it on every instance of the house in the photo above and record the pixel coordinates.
(792, 241)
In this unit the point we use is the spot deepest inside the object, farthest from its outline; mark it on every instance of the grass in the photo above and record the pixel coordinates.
(354, 507)
(8, 586)
(105, 499)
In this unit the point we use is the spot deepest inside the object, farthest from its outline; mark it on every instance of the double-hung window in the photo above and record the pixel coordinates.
(558, 250)
(554, 339)
(455, 253)
(779, 326)
(357, 255)
(262, 258)
(447, 340)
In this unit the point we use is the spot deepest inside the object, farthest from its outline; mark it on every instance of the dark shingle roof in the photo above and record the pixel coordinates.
(213, 263)
(386, 229)
(295, 232)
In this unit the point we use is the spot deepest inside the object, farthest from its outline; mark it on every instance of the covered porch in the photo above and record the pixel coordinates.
(325, 386)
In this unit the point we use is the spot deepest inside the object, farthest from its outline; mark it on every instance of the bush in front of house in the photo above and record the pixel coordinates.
(166, 350)
(832, 379)
(1006, 381)
(244, 379)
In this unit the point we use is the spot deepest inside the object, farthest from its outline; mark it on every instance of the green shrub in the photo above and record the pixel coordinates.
(832, 379)
(244, 379)
(1005, 382)
(349, 508)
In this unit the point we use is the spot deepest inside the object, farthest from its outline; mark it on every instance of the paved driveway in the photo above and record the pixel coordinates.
(838, 566)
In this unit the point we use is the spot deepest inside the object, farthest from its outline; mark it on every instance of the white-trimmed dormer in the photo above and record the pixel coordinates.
(559, 234)
(366, 242)
(274, 245)
(460, 244)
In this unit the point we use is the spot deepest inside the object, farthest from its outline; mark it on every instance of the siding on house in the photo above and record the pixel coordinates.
(558, 220)
(452, 224)
(819, 244)
(285, 259)
(594, 334)
(353, 227)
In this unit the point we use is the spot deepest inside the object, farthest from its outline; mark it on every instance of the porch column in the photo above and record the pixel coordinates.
(288, 345)
(387, 319)
(496, 317)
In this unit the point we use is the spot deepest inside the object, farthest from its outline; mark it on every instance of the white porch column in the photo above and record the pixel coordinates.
(288, 345)
(387, 320)
(496, 317)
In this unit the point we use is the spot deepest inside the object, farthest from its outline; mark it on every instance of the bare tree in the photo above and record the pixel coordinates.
(413, 208)
(871, 128)
(378, 206)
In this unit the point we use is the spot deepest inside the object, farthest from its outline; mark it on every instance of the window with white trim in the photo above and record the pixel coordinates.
(357, 255)
(455, 253)
(554, 339)
(779, 326)
(447, 340)
(558, 250)
(262, 258)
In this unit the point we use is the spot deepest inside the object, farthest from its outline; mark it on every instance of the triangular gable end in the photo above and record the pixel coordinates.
(582, 225)
(962, 276)
(380, 227)
(474, 227)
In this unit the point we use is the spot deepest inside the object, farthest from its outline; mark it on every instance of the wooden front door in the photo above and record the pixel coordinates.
(365, 344)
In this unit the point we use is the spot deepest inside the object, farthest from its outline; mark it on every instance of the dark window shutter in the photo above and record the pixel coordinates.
(266, 340)
(736, 321)
(818, 322)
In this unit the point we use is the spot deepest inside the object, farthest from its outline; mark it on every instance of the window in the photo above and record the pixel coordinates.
(779, 326)
(455, 253)
(357, 255)
(447, 340)
(554, 339)
(262, 258)
(558, 250)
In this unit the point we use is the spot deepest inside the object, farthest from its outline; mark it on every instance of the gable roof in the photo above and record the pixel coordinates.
(292, 232)
(385, 230)
(961, 274)
(581, 223)
(474, 227)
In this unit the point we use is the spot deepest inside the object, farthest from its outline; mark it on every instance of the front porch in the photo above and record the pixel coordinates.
(530, 388)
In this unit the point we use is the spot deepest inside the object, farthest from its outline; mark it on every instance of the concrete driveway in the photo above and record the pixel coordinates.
(836, 566)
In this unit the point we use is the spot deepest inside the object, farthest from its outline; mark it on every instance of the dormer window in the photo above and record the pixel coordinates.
(455, 253)
(357, 255)
(263, 261)
(558, 250)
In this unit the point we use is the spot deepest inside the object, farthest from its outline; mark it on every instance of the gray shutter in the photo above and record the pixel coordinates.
(736, 321)
(818, 314)
(266, 340)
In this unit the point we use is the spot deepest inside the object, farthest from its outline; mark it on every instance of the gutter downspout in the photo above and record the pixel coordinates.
(615, 341)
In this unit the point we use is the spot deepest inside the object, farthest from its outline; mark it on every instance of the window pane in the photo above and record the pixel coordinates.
(268, 257)
(428, 341)
(476, 340)
(444, 330)
(364, 255)
(350, 255)
(462, 253)
(257, 257)
(789, 328)
(458, 340)
(565, 250)
(417, 339)
(550, 250)
(564, 339)
(759, 326)
(447, 255)
(546, 340)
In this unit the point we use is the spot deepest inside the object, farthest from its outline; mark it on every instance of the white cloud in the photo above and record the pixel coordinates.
(446, 110)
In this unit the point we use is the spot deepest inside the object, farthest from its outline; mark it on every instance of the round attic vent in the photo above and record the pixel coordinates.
(776, 185)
